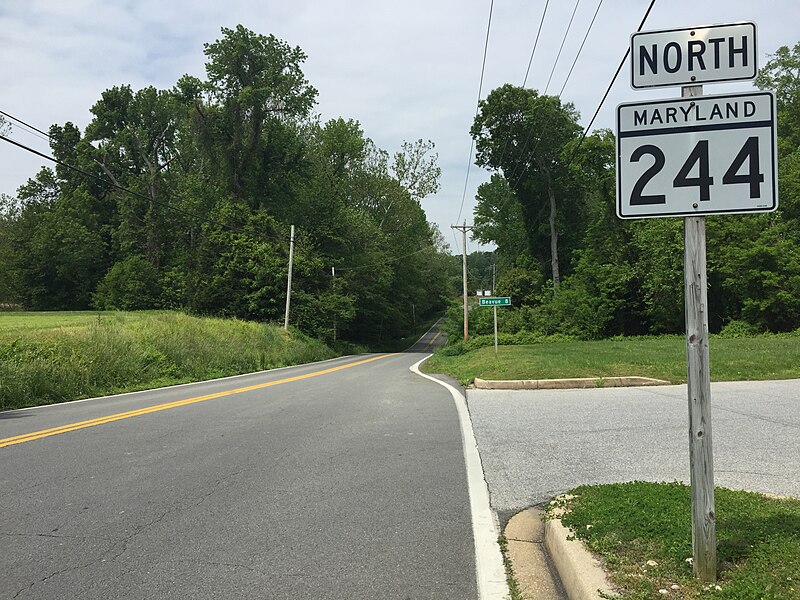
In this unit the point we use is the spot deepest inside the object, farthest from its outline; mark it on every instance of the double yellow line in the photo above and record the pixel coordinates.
(433, 339)
(37, 435)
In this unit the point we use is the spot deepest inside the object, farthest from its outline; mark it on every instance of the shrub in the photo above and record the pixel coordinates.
(738, 329)
(132, 284)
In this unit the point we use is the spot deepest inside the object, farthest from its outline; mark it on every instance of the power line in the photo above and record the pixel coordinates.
(126, 190)
(563, 41)
(535, 43)
(610, 85)
(383, 262)
(21, 122)
(577, 56)
(605, 96)
(477, 106)
(165, 205)
(527, 72)
(525, 79)
(28, 128)
(547, 86)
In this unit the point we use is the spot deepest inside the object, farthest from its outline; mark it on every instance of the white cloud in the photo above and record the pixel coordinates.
(405, 70)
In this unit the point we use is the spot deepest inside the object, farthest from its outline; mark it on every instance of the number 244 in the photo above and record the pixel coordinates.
(698, 156)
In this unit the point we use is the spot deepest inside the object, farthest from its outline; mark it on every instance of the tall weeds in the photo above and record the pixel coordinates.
(132, 352)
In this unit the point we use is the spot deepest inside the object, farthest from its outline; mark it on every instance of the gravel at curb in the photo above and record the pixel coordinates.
(565, 384)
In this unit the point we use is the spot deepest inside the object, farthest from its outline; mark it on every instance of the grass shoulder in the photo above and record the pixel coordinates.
(56, 357)
(643, 533)
(662, 357)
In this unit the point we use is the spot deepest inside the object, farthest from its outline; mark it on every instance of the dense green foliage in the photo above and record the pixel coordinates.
(643, 532)
(572, 267)
(42, 362)
(189, 198)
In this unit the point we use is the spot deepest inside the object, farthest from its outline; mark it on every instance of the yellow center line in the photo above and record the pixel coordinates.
(428, 347)
(36, 435)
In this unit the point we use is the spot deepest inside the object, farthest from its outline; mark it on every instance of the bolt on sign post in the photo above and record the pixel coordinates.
(690, 157)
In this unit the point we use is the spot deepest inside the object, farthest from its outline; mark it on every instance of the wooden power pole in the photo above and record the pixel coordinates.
(289, 280)
(463, 229)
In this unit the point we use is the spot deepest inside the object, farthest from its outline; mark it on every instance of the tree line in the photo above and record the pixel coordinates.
(182, 198)
(572, 267)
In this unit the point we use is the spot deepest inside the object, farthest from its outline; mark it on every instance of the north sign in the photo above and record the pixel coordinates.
(696, 156)
(496, 301)
(693, 55)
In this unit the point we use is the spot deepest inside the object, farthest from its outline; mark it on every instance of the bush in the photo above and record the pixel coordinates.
(738, 329)
(132, 284)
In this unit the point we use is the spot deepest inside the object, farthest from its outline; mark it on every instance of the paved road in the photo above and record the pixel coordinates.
(348, 484)
(431, 339)
(536, 444)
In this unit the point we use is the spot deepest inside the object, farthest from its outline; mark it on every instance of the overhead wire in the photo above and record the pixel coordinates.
(383, 262)
(578, 55)
(561, 48)
(21, 122)
(166, 205)
(608, 89)
(130, 192)
(27, 127)
(535, 43)
(477, 107)
(605, 96)
(547, 86)
(610, 85)
(528, 70)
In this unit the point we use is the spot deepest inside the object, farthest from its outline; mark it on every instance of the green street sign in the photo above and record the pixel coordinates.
(499, 301)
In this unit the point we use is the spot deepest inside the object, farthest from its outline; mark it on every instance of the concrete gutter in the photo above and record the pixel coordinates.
(579, 574)
(533, 570)
(564, 384)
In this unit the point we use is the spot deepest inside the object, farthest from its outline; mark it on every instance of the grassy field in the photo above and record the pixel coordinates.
(13, 323)
(737, 359)
(643, 532)
(55, 357)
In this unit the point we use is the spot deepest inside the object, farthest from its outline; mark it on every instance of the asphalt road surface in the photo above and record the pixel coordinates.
(537, 444)
(330, 480)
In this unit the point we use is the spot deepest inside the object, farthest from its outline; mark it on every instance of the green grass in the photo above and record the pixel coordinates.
(21, 322)
(629, 524)
(664, 357)
(56, 357)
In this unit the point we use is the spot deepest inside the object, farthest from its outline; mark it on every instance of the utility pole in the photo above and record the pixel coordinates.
(463, 229)
(333, 282)
(289, 280)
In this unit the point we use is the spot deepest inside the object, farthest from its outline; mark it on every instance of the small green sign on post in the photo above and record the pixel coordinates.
(497, 301)
(494, 303)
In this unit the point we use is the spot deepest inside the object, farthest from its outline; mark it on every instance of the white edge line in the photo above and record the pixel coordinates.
(176, 386)
(491, 573)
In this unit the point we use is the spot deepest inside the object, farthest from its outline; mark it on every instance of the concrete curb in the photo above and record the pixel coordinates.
(565, 384)
(581, 573)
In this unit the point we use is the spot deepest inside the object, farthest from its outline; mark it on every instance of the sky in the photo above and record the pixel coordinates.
(405, 70)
